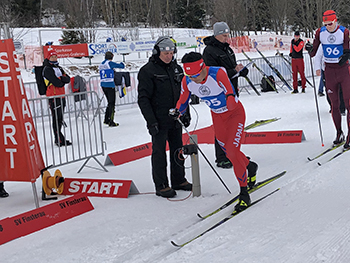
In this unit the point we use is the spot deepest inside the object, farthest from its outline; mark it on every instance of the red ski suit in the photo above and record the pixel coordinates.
(228, 124)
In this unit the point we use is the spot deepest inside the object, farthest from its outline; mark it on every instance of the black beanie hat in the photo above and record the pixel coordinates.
(109, 55)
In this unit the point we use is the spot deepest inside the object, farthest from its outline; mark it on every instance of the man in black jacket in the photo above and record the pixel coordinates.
(55, 79)
(158, 91)
(218, 53)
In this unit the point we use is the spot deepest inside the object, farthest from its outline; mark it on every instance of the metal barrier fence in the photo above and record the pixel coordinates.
(279, 63)
(82, 126)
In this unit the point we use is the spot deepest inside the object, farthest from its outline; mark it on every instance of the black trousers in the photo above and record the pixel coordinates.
(159, 162)
(57, 106)
(110, 95)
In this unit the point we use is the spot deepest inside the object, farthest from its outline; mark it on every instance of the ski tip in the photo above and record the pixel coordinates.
(319, 164)
(309, 159)
(174, 244)
(200, 216)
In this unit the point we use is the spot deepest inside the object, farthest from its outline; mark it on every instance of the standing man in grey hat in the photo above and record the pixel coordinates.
(218, 53)
(158, 91)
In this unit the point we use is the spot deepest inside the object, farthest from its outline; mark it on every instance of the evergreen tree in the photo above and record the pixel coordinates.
(189, 14)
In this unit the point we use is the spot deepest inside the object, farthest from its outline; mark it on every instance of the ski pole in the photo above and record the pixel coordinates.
(316, 101)
(183, 126)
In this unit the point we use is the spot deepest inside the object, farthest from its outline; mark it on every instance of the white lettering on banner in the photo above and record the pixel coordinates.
(16, 61)
(6, 85)
(4, 62)
(19, 77)
(12, 159)
(7, 111)
(94, 187)
(29, 129)
(10, 134)
(25, 109)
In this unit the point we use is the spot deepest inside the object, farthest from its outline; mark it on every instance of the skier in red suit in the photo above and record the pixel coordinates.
(296, 53)
(212, 85)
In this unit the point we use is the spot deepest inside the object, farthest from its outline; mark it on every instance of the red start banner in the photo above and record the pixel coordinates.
(20, 155)
(69, 51)
(40, 218)
(99, 187)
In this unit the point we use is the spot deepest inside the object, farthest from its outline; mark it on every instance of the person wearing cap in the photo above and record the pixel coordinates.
(296, 53)
(212, 85)
(55, 79)
(158, 91)
(334, 40)
(106, 69)
(218, 53)
(3, 192)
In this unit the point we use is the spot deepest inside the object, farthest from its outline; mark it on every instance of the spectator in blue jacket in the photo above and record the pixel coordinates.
(106, 69)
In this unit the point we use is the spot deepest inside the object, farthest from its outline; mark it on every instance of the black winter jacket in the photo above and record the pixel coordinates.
(221, 55)
(158, 91)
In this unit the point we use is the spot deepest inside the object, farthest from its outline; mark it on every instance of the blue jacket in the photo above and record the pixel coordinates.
(107, 72)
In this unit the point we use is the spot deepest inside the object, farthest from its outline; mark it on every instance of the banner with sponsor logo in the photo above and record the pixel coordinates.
(68, 51)
(126, 47)
(40, 218)
(20, 155)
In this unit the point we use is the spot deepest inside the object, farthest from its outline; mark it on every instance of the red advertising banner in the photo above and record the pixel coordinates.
(20, 155)
(99, 187)
(206, 135)
(69, 51)
(40, 218)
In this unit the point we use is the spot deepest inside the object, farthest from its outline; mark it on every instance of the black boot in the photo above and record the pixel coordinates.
(3, 193)
(244, 200)
(166, 192)
(252, 169)
(347, 143)
(339, 139)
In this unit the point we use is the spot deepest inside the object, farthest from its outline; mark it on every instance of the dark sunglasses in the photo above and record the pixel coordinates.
(329, 24)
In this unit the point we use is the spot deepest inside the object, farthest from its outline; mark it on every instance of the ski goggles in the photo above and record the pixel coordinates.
(329, 24)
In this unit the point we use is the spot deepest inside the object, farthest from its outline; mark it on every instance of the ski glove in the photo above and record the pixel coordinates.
(345, 57)
(174, 113)
(186, 119)
(308, 47)
(244, 72)
(153, 129)
(231, 102)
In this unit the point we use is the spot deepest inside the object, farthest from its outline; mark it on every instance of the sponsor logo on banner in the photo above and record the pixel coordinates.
(40, 218)
(69, 51)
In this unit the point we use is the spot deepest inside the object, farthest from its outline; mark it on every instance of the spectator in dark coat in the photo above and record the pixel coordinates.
(218, 53)
(158, 91)
(55, 80)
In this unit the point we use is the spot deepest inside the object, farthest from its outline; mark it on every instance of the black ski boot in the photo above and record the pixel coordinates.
(3, 193)
(252, 169)
(339, 139)
(347, 143)
(244, 200)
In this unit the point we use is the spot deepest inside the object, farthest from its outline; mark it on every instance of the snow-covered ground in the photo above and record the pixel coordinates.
(306, 221)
